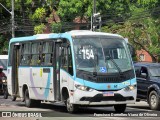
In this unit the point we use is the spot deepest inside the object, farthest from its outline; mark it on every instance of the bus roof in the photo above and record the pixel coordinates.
(3, 56)
(62, 35)
(88, 32)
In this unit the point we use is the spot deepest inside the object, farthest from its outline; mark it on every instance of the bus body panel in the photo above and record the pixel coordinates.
(67, 81)
(9, 84)
(38, 82)
(106, 86)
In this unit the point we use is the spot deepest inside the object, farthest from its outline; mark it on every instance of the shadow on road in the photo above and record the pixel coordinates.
(86, 111)
(59, 108)
(141, 107)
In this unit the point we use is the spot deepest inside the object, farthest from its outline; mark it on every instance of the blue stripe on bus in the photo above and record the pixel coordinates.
(46, 93)
(104, 86)
(98, 86)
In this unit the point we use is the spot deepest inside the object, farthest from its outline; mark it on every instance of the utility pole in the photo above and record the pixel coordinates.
(92, 15)
(12, 17)
(13, 30)
(94, 7)
(91, 22)
(95, 18)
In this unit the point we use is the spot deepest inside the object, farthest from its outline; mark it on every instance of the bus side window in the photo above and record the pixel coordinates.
(66, 60)
(10, 55)
(47, 53)
(25, 54)
(35, 58)
(70, 65)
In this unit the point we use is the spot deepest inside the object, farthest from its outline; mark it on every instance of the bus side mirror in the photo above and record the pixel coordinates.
(131, 49)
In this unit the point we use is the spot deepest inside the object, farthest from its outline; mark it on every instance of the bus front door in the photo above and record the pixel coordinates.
(56, 78)
(15, 64)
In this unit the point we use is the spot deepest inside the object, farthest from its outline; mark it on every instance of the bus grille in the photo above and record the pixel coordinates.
(109, 78)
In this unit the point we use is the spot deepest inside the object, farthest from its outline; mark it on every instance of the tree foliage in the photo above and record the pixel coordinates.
(138, 20)
(142, 27)
(3, 44)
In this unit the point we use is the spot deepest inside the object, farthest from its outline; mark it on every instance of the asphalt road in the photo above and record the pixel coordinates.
(57, 111)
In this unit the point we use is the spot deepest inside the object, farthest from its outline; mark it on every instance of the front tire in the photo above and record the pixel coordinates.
(120, 108)
(5, 93)
(28, 102)
(13, 98)
(154, 100)
(71, 108)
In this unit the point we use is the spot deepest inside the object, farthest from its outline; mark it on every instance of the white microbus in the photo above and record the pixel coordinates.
(79, 68)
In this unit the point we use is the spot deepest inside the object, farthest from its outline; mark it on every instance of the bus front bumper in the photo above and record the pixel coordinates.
(98, 98)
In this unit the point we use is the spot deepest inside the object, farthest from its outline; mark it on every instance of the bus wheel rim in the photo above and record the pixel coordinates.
(69, 105)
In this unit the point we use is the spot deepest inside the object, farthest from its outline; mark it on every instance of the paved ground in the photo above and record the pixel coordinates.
(58, 112)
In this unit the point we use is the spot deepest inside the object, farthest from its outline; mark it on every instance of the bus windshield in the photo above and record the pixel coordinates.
(102, 55)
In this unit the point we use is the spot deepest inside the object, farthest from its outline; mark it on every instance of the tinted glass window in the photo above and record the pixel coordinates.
(3, 62)
(155, 72)
(35, 57)
(102, 55)
(137, 70)
(143, 72)
(47, 53)
(25, 54)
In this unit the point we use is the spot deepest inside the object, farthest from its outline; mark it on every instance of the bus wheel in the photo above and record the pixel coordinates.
(154, 100)
(13, 98)
(28, 102)
(120, 108)
(5, 93)
(71, 108)
(37, 103)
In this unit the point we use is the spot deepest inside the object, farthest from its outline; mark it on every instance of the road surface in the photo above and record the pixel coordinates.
(47, 111)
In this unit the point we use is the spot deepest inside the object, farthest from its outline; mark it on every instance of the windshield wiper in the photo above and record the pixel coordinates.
(118, 68)
(94, 62)
(110, 58)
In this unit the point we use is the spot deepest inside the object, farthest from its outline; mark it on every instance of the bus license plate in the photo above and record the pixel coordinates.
(108, 93)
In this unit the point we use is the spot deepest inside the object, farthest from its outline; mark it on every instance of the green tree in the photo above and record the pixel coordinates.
(136, 19)
(70, 9)
(142, 27)
(3, 44)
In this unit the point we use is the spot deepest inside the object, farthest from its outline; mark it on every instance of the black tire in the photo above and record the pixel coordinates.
(37, 103)
(154, 101)
(120, 108)
(28, 102)
(13, 98)
(22, 99)
(6, 93)
(71, 108)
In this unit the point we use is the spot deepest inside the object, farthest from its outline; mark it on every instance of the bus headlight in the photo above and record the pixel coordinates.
(130, 87)
(83, 88)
